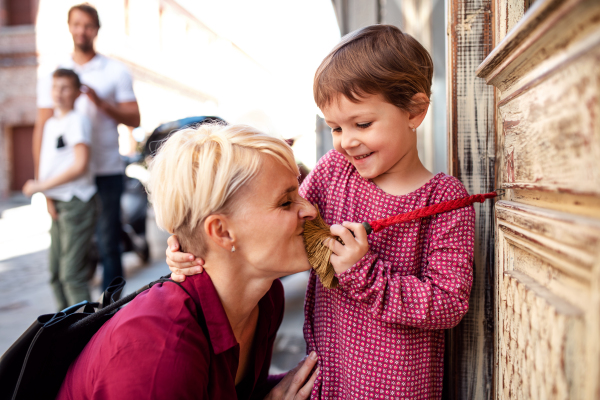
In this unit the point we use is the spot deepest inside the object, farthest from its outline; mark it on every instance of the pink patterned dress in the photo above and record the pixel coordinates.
(379, 334)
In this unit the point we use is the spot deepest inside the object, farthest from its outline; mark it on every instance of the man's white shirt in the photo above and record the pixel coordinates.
(112, 82)
(61, 134)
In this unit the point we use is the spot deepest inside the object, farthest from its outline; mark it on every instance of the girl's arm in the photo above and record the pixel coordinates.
(77, 169)
(436, 300)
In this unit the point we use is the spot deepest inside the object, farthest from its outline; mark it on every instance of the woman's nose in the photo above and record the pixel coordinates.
(307, 210)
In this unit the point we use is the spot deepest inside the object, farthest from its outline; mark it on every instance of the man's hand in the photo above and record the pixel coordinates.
(52, 209)
(127, 113)
(295, 385)
(91, 94)
(181, 264)
(31, 186)
(354, 248)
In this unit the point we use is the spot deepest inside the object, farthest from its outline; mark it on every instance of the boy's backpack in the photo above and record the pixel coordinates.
(35, 366)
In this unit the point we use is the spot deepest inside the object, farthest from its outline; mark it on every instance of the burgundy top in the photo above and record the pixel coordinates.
(154, 348)
(379, 334)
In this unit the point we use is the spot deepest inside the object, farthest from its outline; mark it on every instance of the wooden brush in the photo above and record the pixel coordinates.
(316, 232)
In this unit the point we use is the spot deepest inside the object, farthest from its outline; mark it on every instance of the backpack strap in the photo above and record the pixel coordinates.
(116, 306)
(199, 313)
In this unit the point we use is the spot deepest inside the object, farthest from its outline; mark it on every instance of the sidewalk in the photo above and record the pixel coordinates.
(25, 293)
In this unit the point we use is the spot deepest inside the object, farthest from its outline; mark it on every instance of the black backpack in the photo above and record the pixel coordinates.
(35, 366)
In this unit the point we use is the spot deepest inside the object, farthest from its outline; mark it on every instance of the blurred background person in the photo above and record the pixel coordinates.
(67, 183)
(109, 101)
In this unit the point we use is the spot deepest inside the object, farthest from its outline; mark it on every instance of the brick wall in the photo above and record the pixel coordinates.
(18, 78)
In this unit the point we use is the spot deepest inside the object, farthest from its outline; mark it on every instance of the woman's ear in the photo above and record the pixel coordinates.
(217, 230)
(419, 110)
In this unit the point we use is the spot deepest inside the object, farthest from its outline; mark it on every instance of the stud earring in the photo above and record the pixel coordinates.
(233, 249)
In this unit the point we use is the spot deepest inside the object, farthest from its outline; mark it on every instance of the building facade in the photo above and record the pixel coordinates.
(180, 68)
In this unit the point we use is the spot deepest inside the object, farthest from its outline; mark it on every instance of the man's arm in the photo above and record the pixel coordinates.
(127, 113)
(124, 113)
(43, 115)
(78, 167)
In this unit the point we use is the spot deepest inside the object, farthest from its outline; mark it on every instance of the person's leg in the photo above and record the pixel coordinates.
(54, 263)
(110, 189)
(78, 220)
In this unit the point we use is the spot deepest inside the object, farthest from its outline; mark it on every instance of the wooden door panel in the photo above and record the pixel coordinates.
(548, 303)
(550, 131)
(22, 159)
(540, 345)
(547, 230)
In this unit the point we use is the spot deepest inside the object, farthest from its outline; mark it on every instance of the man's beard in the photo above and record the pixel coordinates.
(85, 47)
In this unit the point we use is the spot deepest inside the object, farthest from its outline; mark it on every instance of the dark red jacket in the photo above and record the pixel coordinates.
(154, 348)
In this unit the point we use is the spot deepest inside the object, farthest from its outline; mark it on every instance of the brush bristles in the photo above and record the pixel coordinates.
(316, 232)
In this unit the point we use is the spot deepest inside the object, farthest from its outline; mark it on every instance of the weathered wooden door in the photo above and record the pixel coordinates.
(545, 67)
(22, 160)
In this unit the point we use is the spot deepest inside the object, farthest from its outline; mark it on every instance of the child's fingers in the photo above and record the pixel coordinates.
(343, 233)
(334, 245)
(175, 266)
(173, 243)
(179, 257)
(360, 233)
(177, 277)
(187, 271)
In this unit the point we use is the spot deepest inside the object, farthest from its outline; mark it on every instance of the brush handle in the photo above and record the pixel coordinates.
(380, 224)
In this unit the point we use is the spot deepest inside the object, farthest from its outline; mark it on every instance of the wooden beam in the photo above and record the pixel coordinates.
(468, 371)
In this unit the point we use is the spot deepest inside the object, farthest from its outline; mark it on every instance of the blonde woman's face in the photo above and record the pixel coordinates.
(270, 221)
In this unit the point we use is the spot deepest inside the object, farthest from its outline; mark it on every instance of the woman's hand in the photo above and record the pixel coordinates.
(181, 264)
(354, 248)
(295, 385)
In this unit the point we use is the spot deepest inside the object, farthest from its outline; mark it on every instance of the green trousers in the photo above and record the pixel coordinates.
(71, 241)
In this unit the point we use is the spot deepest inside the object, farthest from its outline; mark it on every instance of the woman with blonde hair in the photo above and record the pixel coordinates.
(230, 194)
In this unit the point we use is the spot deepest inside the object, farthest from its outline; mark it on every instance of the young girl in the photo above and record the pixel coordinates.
(379, 334)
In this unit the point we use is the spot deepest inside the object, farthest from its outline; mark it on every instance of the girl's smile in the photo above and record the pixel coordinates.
(378, 139)
(372, 134)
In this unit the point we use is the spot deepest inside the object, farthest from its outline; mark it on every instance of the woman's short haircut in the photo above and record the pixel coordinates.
(198, 171)
(377, 59)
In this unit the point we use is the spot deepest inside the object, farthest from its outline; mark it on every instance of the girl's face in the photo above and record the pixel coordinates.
(374, 135)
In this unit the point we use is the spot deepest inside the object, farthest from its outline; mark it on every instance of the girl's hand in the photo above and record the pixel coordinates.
(181, 264)
(294, 384)
(354, 248)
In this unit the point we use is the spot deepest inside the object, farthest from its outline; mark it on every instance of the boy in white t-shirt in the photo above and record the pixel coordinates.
(67, 182)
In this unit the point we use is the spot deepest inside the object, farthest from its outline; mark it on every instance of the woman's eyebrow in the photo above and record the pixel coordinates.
(289, 190)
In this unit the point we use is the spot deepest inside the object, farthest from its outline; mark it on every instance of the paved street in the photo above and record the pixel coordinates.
(25, 292)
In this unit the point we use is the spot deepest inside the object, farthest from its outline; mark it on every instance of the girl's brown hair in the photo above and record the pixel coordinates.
(377, 59)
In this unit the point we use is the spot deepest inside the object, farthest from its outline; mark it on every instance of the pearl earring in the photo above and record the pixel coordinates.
(233, 249)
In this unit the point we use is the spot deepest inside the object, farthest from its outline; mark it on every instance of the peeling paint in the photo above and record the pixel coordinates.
(510, 167)
(507, 125)
(467, 23)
